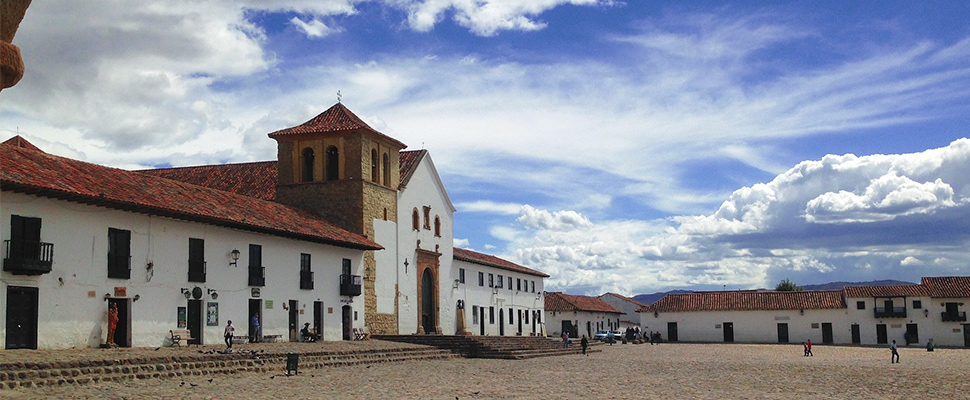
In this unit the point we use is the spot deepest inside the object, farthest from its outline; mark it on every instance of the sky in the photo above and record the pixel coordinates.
(628, 147)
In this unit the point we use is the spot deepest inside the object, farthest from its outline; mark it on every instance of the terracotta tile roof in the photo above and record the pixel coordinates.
(29, 171)
(557, 301)
(255, 179)
(409, 162)
(336, 119)
(749, 301)
(886, 291)
(624, 298)
(492, 261)
(948, 286)
(19, 141)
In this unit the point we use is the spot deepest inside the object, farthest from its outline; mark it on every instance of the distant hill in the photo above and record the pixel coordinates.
(649, 299)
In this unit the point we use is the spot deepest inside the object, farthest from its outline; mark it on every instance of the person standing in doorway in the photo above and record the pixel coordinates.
(895, 356)
(255, 323)
(229, 331)
(112, 324)
(585, 344)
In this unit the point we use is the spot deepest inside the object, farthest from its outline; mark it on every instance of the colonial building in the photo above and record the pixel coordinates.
(503, 298)
(932, 310)
(362, 228)
(579, 315)
(630, 318)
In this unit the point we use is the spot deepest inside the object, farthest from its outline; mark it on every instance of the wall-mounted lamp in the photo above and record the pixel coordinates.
(285, 307)
(455, 285)
(926, 312)
(802, 311)
(234, 254)
(60, 281)
(494, 290)
(137, 296)
(187, 293)
(538, 296)
(656, 314)
(107, 296)
(212, 293)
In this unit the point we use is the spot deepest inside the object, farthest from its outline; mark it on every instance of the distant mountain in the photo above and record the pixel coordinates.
(649, 299)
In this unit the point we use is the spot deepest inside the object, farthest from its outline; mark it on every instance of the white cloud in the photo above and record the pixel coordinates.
(485, 17)
(486, 206)
(314, 28)
(760, 235)
(460, 242)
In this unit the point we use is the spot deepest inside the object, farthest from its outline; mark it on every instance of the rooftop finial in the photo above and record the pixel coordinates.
(338, 96)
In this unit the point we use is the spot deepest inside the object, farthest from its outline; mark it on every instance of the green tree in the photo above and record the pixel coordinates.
(788, 286)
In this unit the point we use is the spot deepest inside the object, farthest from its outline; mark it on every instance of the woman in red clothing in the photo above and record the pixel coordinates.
(112, 323)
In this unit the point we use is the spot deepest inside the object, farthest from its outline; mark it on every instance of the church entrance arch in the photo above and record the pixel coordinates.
(428, 318)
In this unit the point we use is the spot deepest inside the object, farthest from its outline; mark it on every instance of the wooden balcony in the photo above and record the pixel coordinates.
(24, 257)
(349, 285)
(954, 316)
(894, 312)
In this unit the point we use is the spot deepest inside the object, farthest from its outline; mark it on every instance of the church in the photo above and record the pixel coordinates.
(346, 231)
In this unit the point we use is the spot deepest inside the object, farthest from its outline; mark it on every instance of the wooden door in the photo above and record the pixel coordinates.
(856, 334)
(728, 328)
(782, 333)
(21, 317)
(827, 333)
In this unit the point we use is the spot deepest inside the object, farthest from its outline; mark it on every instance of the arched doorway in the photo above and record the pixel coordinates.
(428, 319)
(427, 302)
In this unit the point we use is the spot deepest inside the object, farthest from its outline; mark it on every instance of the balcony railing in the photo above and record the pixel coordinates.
(26, 257)
(349, 285)
(954, 317)
(306, 280)
(893, 312)
(196, 271)
(257, 276)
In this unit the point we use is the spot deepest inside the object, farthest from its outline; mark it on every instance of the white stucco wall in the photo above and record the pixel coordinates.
(73, 313)
(424, 189)
(385, 233)
(525, 301)
(580, 319)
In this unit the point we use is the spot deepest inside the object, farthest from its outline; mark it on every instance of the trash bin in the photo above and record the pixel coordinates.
(292, 361)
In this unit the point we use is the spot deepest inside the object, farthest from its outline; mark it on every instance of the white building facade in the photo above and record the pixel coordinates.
(579, 315)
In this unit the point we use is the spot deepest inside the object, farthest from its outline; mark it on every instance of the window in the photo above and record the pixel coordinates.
(491, 315)
(196, 260)
(526, 315)
(119, 253)
(481, 279)
(500, 280)
(427, 217)
(474, 315)
(491, 280)
(415, 220)
(860, 305)
(345, 267)
(533, 286)
(461, 275)
(307, 165)
(306, 274)
(917, 304)
(511, 321)
(333, 163)
(374, 167)
(257, 276)
(510, 283)
(437, 226)
(387, 170)
(518, 284)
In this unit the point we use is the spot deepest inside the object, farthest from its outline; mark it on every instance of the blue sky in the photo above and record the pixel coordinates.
(630, 147)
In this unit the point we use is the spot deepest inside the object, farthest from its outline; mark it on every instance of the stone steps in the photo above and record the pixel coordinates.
(502, 347)
(80, 372)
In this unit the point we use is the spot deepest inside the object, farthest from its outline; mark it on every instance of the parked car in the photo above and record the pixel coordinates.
(602, 335)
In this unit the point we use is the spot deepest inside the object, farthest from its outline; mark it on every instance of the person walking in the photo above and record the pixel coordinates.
(228, 334)
(585, 344)
(565, 339)
(808, 348)
(895, 356)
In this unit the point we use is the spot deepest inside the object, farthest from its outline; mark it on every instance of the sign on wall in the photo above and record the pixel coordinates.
(181, 316)
(212, 314)
(269, 304)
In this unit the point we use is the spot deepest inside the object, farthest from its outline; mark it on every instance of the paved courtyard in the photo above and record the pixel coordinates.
(707, 371)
